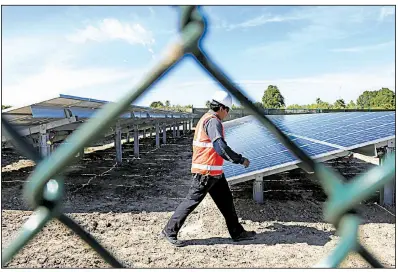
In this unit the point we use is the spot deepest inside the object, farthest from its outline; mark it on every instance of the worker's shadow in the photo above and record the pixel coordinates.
(275, 234)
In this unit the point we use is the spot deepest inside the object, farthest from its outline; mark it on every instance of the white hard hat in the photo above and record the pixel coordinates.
(223, 97)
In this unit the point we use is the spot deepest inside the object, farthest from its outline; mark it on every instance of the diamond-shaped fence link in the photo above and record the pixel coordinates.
(44, 191)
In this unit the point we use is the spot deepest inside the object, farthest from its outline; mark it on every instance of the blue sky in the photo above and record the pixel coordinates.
(329, 52)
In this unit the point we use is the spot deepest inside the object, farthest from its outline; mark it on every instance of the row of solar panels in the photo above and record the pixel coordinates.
(319, 135)
(66, 105)
(52, 112)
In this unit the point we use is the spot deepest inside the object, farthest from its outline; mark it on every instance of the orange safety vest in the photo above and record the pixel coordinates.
(205, 159)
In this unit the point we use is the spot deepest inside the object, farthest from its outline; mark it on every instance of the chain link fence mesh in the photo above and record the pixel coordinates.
(44, 191)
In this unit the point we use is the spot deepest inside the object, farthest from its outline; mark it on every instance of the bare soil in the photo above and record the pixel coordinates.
(125, 207)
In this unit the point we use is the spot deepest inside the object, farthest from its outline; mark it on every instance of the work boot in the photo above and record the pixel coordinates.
(245, 235)
(172, 240)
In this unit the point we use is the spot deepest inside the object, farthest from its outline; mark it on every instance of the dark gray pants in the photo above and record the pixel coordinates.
(219, 191)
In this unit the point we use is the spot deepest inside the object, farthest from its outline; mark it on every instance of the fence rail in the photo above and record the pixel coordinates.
(44, 190)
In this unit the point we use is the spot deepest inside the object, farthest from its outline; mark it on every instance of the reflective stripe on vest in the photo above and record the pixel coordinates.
(206, 167)
(205, 159)
(202, 144)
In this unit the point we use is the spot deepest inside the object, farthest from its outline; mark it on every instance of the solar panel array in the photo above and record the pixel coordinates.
(319, 135)
(52, 109)
(66, 113)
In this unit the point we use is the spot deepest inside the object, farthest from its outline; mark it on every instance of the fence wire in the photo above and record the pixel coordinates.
(44, 191)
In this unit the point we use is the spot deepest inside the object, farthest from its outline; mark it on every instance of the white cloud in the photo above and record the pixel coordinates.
(56, 79)
(152, 52)
(22, 50)
(385, 12)
(40, 67)
(25, 56)
(262, 20)
(112, 29)
(152, 11)
(364, 48)
(217, 22)
(322, 24)
(214, 20)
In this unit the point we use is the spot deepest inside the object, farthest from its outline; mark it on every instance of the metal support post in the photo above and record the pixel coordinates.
(44, 141)
(164, 134)
(387, 193)
(258, 189)
(128, 137)
(118, 144)
(157, 135)
(136, 142)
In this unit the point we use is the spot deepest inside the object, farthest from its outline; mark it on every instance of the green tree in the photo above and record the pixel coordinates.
(339, 104)
(351, 105)
(167, 104)
(208, 104)
(383, 99)
(156, 104)
(272, 98)
(319, 104)
(325, 105)
(3, 107)
(364, 100)
(380, 99)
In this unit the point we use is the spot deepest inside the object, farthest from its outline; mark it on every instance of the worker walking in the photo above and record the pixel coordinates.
(209, 152)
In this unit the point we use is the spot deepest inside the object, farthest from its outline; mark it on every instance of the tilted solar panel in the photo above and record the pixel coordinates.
(349, 129)
(319, 135)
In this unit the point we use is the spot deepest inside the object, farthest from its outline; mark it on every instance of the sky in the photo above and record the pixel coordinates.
(102, 52)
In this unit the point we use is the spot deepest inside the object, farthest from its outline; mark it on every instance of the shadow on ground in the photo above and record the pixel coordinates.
(275, 234)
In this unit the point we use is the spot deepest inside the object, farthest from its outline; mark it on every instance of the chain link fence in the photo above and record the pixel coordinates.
(44, 191)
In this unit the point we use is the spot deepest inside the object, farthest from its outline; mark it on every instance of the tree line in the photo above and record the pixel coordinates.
(372, 100)
(167, 106)
(383, 98)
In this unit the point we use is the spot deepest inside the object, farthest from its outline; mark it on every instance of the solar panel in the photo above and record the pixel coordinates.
(319, 135)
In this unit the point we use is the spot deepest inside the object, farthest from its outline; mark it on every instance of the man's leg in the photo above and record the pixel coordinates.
(222, 196)
(197, 192)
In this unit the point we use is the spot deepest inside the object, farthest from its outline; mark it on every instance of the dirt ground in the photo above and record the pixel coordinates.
(125, 208)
